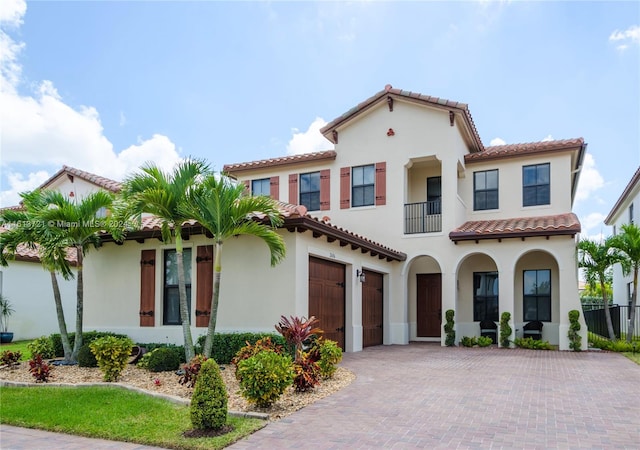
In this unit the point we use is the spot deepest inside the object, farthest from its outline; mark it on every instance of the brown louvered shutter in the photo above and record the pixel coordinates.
(147, 288)
(247, 187)
(204, 290)
(381, 183)
(293, 189)
(274, 188)
(325, 190)
(345, 187)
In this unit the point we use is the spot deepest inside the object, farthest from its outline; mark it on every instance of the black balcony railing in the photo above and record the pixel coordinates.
(424, 217)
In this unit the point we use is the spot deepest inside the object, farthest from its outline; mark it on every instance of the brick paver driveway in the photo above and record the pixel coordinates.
(426, 396)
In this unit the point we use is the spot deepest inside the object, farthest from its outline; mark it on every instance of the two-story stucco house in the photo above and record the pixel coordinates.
(408, 216)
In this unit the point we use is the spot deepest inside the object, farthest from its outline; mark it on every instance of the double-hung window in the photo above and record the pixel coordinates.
(310, 190)
(171, 306)
(537, 295)
(261, 187)
(485, 190)
(485, 296)
(363, 185)
(536, 181)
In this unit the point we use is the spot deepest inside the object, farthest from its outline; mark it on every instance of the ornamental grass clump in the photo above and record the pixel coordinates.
(208, 408)
(112, 354)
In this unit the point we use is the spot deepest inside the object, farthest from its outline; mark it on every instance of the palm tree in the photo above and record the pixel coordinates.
(627, 243)
(220, 206)
(26, 229)
(596, 259)
(162, 194)
(75, 224)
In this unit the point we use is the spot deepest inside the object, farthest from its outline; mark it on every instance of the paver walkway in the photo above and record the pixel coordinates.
(426, 396)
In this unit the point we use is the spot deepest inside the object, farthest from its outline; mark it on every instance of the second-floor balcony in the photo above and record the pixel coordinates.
(423, 217)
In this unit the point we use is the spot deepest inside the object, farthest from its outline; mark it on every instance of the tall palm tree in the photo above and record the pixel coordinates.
(627, 243)
(596, 258)
(75, 224)
(26, 229)
(220, 206)
(163, 194)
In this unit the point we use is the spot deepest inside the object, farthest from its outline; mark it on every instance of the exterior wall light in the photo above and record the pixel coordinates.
(360, 275)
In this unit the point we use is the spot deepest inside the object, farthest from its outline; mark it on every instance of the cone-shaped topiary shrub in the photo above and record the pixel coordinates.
(505, 330)
(209, 399)
(450, 340)
(575, 340)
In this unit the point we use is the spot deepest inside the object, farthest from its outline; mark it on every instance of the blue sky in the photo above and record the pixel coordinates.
(106, 86)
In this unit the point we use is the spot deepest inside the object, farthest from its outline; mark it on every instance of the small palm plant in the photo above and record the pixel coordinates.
(297, 330)
(6, 310)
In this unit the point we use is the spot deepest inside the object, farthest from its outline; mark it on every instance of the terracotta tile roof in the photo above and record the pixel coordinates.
(389, 91)
(510, 150)
(561, 224)
(280, 161)
(295, 219)
(627, 190)
(31, 254)
(105, 183)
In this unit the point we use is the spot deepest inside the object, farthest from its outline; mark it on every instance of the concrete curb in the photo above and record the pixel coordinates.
(170, 398)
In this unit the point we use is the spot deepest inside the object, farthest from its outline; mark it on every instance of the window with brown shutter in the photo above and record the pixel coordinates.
(345, 187)
(381, 183)
(147, 288)
(325, 190)
(204, 290)
(293, 189)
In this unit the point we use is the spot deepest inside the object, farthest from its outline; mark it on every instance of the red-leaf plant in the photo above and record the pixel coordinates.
(40, 370)
(191, 371)
(297, 330)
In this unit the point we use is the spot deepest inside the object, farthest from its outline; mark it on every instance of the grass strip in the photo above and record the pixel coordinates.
(111, 413)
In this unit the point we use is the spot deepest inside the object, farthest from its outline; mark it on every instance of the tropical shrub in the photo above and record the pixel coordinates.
(484, 341)
(328, 355)
(86, 358)
(112, 354)
(9, 358)
(298, 331)
(505, 329)
(163, 359)
(306, 373)
(42, 346)
(87, 338)
(264, 377)
(209, 400)
(532, 344)
(467, 341)
(450, 340)
(265, 344)
(575, 340)
(227, 345)
(191, 370)
(40, 370)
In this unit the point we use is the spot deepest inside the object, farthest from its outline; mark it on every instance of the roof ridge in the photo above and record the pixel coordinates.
(280, 160)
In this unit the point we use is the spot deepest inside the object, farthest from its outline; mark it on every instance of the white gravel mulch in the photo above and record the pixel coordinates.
(167, 383)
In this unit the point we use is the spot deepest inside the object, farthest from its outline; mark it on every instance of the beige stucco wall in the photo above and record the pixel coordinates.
(28, 286)
(79, 187)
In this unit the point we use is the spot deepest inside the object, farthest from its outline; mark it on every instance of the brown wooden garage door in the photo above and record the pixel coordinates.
(372, 317)
(326, 297)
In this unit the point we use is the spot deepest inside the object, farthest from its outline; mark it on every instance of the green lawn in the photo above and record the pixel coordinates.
(635, 357)
(111, 413)
(20, 346)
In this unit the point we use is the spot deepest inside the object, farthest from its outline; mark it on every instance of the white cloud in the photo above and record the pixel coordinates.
(590, 179)
(629, 36)
(548, 138)
(593, 220)
(309, 141)
(123, 119)
(12, 12)
(39, 129)
(497, 141)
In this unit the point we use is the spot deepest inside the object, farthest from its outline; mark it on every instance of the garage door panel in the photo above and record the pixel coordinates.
(372, 309)
(327, 297)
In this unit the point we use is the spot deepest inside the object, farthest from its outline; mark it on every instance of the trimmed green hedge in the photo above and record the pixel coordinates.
(226, 345)
(87, 338)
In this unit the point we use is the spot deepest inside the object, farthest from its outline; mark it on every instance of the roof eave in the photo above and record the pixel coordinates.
(627, 190)
(473, 236)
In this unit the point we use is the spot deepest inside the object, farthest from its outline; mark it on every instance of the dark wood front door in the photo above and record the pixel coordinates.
(326, 297)
(372, 316)
(429, 304)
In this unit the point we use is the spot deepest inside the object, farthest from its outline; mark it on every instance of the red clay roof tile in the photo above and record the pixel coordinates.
(509, 150)
(627, 190)
(103, 182)
(279, 161)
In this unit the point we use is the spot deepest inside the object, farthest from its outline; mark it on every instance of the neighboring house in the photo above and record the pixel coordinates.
(625, 211)
(28, 285)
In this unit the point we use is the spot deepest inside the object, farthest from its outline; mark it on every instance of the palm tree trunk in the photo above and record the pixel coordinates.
(184, 306)
(79, 306)
(607, 313)
(215, 298)
(632, 312)
(62, 324)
